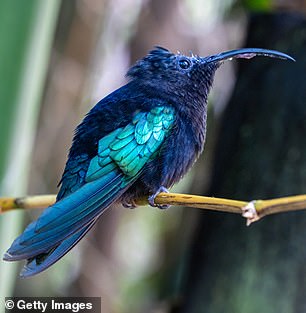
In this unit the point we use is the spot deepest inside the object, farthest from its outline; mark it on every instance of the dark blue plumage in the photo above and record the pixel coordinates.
(137, 141)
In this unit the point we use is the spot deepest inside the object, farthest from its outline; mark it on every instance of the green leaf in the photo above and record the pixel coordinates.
(259, 5)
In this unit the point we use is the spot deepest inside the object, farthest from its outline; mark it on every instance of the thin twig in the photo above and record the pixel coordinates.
(200, 202)
(28, 202)
(252, 211)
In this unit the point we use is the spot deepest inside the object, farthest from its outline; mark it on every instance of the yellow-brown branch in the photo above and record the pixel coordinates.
(253, 210)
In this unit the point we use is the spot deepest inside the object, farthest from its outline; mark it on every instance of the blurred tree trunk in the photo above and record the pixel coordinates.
(261, 153)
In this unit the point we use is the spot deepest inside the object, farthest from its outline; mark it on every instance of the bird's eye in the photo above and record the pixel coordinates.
(184, 63)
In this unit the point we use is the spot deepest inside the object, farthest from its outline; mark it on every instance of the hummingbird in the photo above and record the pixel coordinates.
(138, 141)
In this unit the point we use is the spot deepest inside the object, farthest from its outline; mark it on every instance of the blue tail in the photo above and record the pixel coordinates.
(43, 261)
(63, 224)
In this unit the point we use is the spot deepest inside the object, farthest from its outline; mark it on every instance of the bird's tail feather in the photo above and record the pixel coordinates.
(63, 224)
(41, 262)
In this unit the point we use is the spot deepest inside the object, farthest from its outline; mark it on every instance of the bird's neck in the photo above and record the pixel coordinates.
(195, 115)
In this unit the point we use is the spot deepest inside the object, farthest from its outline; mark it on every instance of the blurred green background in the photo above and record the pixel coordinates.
(58, 58)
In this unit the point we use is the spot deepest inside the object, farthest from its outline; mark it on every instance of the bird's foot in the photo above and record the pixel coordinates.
(151, 199)
(250, 213)
(129, 204)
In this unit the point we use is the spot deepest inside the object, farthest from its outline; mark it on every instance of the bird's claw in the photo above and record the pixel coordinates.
(250, 213)
(151, 199)
(129, 204)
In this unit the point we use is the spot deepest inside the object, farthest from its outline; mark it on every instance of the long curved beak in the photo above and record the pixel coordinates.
(246, 53)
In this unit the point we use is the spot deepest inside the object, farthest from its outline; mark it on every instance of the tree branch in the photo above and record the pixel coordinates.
(252, 211)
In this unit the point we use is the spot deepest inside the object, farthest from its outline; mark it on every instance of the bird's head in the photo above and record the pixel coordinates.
(180, 75)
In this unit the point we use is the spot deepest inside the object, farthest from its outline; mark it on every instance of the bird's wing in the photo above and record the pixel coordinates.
(74, 175)
(121, 156)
